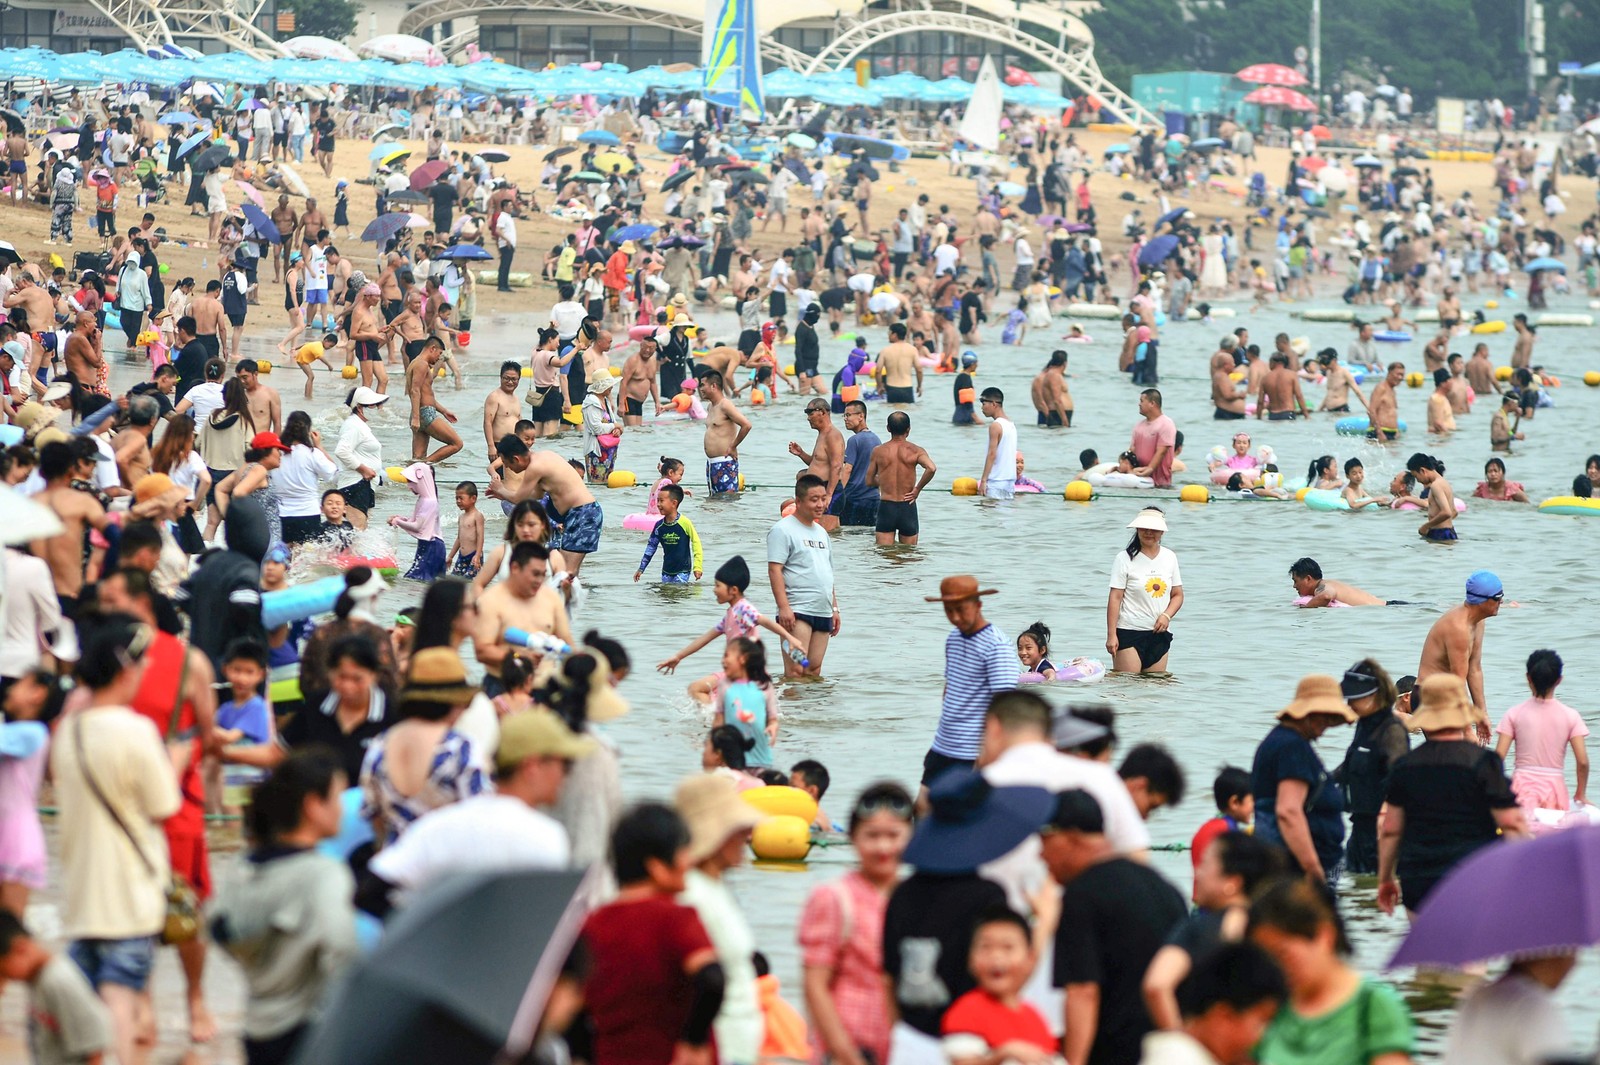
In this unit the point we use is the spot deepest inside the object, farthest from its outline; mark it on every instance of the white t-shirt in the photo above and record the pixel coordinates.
(568, 316)
(862, 282)
(486, 833)
(1147, 585)
(945, 257)
(298, 481)
(357, 447)
(806, 555)
(30, 611)
(186, 474)
(204, 398)
(1513, 1021)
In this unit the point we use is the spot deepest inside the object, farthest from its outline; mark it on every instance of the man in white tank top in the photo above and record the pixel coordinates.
(1000, 464)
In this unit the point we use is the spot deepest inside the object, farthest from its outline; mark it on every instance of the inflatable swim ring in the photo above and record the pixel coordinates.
(782, 801)
(1079, 338)
(1391, 336)
(1117, 480)
(1093, 310)
(1302, 600)
(1461, 506)
(1570, 505)
(642, 522)
(1358, 426)
(1564, 319)
(639, 332)
(1496, 326)
(1027, 489)
(1077, 671)
(1328, 314)
(1325, 499)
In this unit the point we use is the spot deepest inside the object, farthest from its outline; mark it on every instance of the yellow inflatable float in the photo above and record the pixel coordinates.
(1592, 378)
(782, 801)
(350, 373)
(964, 486)
(1194, 493)
(1078, 492)
(1484, 328)
(620, 479)
(781, 839)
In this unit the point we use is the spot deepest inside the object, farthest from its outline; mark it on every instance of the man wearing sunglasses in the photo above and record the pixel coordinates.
(1455, 643)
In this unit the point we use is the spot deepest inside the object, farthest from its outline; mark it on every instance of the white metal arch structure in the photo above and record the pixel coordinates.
(1074, 62)
(430, 13)
(152, 23)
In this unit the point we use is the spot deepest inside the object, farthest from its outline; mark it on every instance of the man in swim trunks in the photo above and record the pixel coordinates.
(1441, 523)
(1449, 308)
(639, 382)
(1455, 643)
(1522, 351)
(892, 470)
(429, 418)
(366, 336)
(1340, 383)
(1051, 399)
(17, 167)
(572, 506)
(210, 323)
(827, 451)
(726, 429)
(1316, 591)
(1227, 396)
(502, 409)
(897, 364)
(1383, 411)
(1280, 398)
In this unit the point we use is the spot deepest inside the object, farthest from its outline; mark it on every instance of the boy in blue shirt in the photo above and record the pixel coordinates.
(245, 719)
(676, 537)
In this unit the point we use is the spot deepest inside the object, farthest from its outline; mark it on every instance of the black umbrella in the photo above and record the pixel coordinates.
(385, 226)
(407, 196)
(8, 255)
(1404, 171)
(682, 177)
(461, 973)
(750, 177)
(211, 158)
(495, 155)
(558, 153)
(14, 123)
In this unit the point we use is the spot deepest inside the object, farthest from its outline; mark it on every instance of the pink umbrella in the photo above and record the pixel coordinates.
(1271, 74)
(251, 193)
(1277, 96)
(428, 173)
(1313, 163)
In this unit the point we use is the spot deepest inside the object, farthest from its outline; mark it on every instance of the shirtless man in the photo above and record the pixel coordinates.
(365, 337)
(407, 325)
(1502, 429)
(1050, 396)
(726, 429)
(17, 166)
(312, 220)
(64, 553)
(1255, 369)
(1522, 353)
(1441, 523)
(33, 298)
(827, 452)
(288, 223)
(892, 470)
(391, 296)
(1436, 352)
(897, 365)
(1280, 398)
(502, 407)
(572, 506)
(1227, 396)
(639, 382)
(1449, 310)
(266, 406)
(429, 418)
(1440, 417)
(726, 362)
(1317, 591)
(1383, 412)
(597, 357)
(1455, 643)
(132, 445)
(522, 601)
(83, 356)
(1340, 383)
(1457, 391)
(210, 323)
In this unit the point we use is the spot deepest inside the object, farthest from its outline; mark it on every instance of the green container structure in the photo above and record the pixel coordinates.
(1196, 92)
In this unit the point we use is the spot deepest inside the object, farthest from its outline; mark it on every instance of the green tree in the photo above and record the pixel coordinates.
(334, 19)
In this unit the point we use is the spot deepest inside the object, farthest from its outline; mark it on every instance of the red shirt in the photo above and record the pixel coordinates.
(977, 1013)
(637, 993)
(616, 272)
(157, 694)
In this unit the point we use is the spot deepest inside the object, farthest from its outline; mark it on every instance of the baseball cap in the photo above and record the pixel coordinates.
(1483, 586)
(537, 733)
(266, 440)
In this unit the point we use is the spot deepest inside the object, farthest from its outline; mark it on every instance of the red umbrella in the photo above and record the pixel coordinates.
(1322, 133)
(428, 173)
(1276, 96)
(1271, 74)
(1313, 163)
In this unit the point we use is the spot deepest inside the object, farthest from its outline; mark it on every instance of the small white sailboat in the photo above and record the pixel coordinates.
(980, 125)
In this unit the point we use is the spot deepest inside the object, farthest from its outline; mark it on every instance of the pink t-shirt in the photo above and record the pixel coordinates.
(1147, 437)
(742, 619)
(1541, 729)
(1241, 462)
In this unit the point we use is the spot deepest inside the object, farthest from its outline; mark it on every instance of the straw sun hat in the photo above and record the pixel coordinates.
(711, 807)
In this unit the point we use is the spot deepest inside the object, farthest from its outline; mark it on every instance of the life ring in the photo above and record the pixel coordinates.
(639, 332)
(1392, 336)
(1564, 319)
(642, 522)
(1484, 328)
(1328, 314)
(780, 800)
(1118, 480)
(1359, 425)
(1093, 310)
(1570, 505)
(1325, 499)
(1027, 489)
(1077, 671)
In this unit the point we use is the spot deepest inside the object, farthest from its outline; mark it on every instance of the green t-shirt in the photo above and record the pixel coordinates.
(1375, 1021)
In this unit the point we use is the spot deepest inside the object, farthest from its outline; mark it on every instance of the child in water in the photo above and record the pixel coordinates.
(1016, 325)
(678, 540)
(1355, 492)
(1025, 484)
(516, 675)
(1323, 474)
(1033, 650)
(747, 700)
(423, 524)
(1269, 488)
(671, 471)
(741, 619)
(466, 554)
(1542, 728)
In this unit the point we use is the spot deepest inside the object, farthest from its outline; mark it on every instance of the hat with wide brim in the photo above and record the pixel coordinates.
(955, 589)
(1440, 702)
(1149, 518)
(972, 822)
(602, 383)
(1317, 693)
(436, 675)
(710, 805)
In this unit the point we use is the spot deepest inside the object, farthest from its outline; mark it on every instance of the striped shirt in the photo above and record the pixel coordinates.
(975, 668)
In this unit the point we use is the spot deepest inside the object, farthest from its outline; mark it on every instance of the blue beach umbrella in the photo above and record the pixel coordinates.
(464, 251)
(194, 141)
(1545, 263)
(1158, 251)
(599, 136)
(1118, 149)
(635, 232)
(177, 118)
(260, 222)
(385, 226)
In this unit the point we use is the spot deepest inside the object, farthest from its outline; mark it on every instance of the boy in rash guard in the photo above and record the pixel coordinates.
(676, 536)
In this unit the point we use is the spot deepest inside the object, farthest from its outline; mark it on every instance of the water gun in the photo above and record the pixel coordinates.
(538, 642)
(300, 602)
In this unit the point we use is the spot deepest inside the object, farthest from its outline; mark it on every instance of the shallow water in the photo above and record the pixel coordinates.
(1239, 649)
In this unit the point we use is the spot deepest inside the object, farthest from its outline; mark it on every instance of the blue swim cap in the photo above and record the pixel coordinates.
(969, 358)
(1482, 586)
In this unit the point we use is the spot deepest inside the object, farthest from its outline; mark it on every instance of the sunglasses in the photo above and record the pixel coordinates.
(889, 804)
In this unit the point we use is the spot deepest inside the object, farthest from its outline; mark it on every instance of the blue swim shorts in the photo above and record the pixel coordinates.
(124, 962)
(580, 530)
(722, 475)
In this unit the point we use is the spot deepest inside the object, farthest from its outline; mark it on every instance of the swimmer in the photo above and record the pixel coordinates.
(1237, 483)
(1441, 524)
(1246, 466)
(1310, 585)
(1026, 484)
(1354, 495)
(1323, 473)
(1088, 459)
(1033, 650)
(1495, 486)
(1383, 411)
(1400, 489)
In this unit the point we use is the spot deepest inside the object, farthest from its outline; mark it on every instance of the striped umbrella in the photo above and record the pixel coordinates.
(1271, 74)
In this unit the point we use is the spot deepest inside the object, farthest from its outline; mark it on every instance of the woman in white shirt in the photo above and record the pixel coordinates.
(1146, 591)
(299, 478)
(175, 456)
(360, 457)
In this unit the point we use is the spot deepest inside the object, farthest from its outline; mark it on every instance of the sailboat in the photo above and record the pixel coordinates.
(731, 54)
(980, 125)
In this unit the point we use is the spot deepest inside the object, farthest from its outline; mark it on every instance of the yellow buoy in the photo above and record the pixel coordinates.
(397, 474)
(616, 371)
(1592, 378)
(781, 839)
(349, 373)
(527, 371)
(1078, 492)
(788, 370)
(964, 486)
(1491, 304)
(782, 800)
(1502, 373)
(741, 486)
(263, 366)
(1414, 379)
(1484, 328)
(620, 479)
(440, 373)
(1300, 493)
(1194, 493)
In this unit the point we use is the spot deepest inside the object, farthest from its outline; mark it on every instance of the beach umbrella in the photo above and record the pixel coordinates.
(253, 105)
(292, 180)
(260, 222)
(385, 226)
(251, 193)
(682, 240)
(1404, 172)
(205, 88)
(390, 131)
(1208, 144)
(1313, 163)
(177, 118)
(1334, 179)
(401, 48)
(587, 175)
(211, 158)
(392, 155)
(1171, 216)
(416, 221)
(1078, 227)
(1278, 96)
(737, 165)
(495, 155)
(464, 251)
(599, 136)
(428, 173)
(633, 232)
(1271, 74)
(26, 520)
(192, 142)
(314, 47)
(682, 177)
(407, 196)
(1011, 188)
(462, 974)
(801, 141)
(64, 141)
(1158, 250)
(1545, 263)
(14, 123)
(751, 177)
(1367, 162)
(609, 162)
(8, 255)
(552, 156)
(1483, 908)
(1118, 149)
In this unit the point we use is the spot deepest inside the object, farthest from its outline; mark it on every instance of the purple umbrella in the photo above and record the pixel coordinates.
(1511, 898)
(683, 240)
(1158, 250)
(1078, 227)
